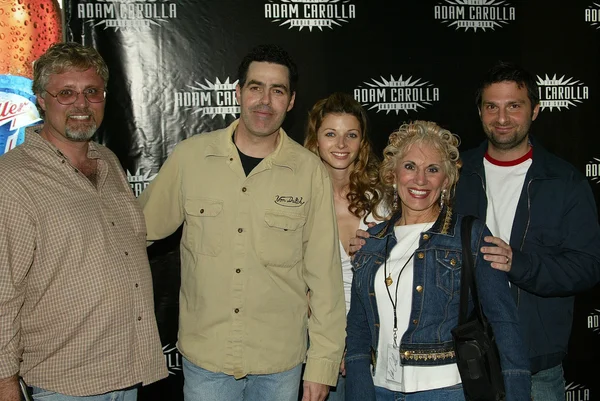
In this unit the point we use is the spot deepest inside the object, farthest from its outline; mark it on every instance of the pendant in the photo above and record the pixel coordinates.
(389, 280)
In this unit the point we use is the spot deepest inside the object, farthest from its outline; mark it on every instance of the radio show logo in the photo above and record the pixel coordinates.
(123, 14)
(210, 99)
(474, 14)
(310, 13)
(138, 181)
(576, 392)
(592, 15)
(561, 92)
(397, 94)
(592, 170)
(173, 359)
(593, 321)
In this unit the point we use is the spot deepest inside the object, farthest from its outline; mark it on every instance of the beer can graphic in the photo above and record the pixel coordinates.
(27, 29)
(17, 110)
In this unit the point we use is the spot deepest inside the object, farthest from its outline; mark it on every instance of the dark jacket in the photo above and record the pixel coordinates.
(434, 309)
(555, 241)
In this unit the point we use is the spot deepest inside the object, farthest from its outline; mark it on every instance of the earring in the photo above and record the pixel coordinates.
(442, 197)
(395, 202)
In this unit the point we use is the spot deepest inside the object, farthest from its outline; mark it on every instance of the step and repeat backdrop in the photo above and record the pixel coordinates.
(173, 68)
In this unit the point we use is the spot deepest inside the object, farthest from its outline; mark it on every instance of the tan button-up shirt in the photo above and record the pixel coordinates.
(76, 299)
(251, 248)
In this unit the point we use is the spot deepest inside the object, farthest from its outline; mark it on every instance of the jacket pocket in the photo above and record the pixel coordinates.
(447, 270)
(280, 239)
(204, 223)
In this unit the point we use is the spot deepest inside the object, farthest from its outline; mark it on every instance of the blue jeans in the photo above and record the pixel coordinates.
(203, 385)
(548, 384)
(338, 393)
(453, 393)
(121, 395)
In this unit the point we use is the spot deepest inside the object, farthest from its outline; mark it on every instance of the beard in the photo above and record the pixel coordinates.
(82, 133)
(80, 130)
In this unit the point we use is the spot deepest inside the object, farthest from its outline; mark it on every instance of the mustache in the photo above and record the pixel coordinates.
(85, 110)
(262, 109)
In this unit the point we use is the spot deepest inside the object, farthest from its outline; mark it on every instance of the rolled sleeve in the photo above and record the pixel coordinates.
(323, 276)
(17, 244)
(162, 201)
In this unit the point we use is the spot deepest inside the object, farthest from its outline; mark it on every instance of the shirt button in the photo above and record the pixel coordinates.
(126, 253)
(62, 161)
(244, 189)
(420, 255)
(425, 236)
(201, 211)
(240, 230)
(112, 223)
(231, 159)
(238, 270)
(419, 288)
(136, 285)
(236, 310)
(139, 318)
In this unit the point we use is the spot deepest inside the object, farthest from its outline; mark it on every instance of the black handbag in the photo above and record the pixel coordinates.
(474, 343)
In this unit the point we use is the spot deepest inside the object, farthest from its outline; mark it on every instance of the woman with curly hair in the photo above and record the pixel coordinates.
(337, 132)
(405, 293)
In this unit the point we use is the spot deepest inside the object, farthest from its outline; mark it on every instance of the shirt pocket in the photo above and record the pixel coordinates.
(204, 223)
(280, 240)
(128, 212)
(447, 270)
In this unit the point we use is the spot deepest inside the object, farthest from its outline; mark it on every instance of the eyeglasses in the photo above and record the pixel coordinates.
(69, 96)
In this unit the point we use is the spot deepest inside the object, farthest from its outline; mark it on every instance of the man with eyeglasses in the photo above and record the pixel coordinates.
(76, 304)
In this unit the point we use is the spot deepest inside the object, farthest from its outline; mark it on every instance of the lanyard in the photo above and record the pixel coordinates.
(395, 300)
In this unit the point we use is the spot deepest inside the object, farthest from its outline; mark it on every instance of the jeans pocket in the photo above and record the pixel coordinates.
(41, 394)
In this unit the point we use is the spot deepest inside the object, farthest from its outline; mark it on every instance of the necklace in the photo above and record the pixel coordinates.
(395, 300)
(389, 280)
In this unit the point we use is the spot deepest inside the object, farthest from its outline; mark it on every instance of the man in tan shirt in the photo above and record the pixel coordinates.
(76, 303)
(259, 232)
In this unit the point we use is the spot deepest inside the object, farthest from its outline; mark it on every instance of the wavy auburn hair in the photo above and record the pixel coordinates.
(365, 190)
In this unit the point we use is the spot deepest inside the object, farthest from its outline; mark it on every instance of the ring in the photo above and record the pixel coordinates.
(507, 260)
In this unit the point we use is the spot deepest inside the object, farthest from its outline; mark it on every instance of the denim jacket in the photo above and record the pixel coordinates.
(435, 305)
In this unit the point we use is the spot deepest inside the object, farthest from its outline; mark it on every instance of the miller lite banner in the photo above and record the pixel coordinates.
(27, 29)
(173, 68)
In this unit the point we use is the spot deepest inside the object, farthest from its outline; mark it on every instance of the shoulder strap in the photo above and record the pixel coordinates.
(467, 273)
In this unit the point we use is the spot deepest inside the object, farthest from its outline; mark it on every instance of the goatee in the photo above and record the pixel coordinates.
(81, 134)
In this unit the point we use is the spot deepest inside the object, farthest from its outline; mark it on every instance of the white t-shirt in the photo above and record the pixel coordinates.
(347, 272)
(504, 183)
(412, 378)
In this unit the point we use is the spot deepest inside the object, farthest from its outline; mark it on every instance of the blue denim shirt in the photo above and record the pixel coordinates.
(435, 305)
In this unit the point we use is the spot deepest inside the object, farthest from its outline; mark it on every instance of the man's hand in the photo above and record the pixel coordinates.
(9, 389)
(357, 242)
(312, 391)
(500, 255)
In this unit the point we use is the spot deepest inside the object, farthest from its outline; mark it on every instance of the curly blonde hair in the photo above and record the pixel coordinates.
(421, 132)
(365, 189)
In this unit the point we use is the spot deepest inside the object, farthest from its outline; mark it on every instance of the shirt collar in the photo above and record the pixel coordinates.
(223, 146)
(33, 138)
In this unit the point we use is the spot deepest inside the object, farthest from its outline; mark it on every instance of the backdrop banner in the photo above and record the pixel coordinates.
(173, 67)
